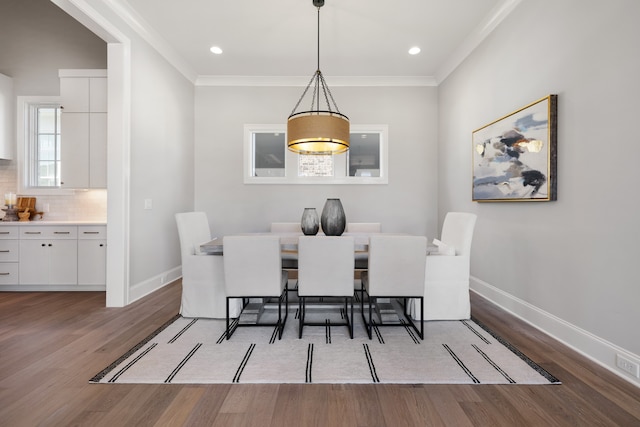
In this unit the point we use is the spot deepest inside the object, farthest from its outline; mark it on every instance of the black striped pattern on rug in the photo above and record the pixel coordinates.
(368, 356)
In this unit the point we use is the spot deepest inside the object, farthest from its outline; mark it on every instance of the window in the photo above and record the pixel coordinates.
(267, 160)
(364, 154)
(39, 144)
(45, 146)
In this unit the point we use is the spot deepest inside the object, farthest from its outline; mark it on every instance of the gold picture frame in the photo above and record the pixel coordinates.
(515, 157)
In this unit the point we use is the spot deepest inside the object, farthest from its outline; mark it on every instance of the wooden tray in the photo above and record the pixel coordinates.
(28, 203)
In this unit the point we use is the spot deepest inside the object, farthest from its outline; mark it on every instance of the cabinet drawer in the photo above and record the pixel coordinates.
(8, 273)
(9, 232)
(92, 232)
(49, 232)
(9, 250)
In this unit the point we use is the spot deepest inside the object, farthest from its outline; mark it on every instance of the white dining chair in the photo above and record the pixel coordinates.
(446, 287)
(203, 293)
(253, 269)
(325, 269)
(396, 270)
(289, 260)
(362, 259)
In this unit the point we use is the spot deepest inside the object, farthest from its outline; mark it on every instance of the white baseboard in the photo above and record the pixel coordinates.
(589, 345)
(143, 289)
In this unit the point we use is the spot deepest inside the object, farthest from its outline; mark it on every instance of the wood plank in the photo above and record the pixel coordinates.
(52, 343)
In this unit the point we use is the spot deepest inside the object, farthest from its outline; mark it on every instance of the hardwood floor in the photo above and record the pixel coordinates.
(51, 344)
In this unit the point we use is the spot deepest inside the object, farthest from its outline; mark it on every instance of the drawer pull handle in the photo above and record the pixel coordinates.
(61, 232)
(5, 250)
(91, 232)
(32, 232)
(4, 274)
(5, 232)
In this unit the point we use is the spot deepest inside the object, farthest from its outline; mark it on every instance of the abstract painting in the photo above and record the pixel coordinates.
(514, 157)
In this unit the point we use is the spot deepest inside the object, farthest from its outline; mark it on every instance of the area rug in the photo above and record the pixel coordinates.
(195, 351)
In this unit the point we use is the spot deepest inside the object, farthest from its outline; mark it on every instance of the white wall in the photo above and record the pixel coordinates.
(575, 260)
(156, 153)
(407, 203)
(161, 161)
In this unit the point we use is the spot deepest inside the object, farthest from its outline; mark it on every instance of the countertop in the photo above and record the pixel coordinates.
(45, 222)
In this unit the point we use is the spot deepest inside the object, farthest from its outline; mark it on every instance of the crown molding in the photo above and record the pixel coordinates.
(493, 19)
(137, 23)
(144, 30)
(303, 81)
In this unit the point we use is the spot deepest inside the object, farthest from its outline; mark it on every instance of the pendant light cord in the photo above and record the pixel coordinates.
(320, 84)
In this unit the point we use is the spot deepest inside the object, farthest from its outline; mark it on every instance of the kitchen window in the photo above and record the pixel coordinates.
(39, 144)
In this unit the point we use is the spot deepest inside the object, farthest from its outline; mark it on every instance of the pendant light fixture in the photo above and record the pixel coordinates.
(318, 131)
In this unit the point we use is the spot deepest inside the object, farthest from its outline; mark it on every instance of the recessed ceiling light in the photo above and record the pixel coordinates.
(414, 50)
(216, 50)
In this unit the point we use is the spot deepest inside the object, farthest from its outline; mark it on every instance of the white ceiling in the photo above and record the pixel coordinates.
(364, 38)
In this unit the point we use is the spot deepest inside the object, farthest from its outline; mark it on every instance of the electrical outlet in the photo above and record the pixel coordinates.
(163, 279)
(628, 366)
(148, 204)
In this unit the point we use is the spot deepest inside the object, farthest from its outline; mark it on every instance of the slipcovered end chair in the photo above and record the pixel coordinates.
(446, 289)
(203, 293)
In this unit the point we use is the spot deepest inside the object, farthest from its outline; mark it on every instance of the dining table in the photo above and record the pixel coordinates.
(288, 242)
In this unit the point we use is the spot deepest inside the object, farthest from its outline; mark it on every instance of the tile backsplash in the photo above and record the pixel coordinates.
(83, 205)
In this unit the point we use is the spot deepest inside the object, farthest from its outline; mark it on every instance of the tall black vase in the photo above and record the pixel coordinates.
(309, 222)
(333, 219)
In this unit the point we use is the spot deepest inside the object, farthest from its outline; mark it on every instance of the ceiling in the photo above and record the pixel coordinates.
(363, 38)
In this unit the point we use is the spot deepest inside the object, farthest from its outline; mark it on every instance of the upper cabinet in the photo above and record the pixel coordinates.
(7, 109)
(83, 96)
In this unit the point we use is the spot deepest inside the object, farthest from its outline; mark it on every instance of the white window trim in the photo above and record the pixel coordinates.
(22, 156)
(291, 161)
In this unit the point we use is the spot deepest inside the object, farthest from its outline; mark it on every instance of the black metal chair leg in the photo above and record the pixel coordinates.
(300, 316)
(280, 317)
(422, 318)
(370, 326)
(227, 334)
(351, 320)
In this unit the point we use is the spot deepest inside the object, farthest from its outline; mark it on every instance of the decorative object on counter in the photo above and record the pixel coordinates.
(310, 222)
(10, 199)
(29, 204)
(11, 214)
(333, 219)
(24, 216)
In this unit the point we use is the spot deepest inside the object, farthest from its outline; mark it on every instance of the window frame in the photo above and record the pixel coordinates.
(340, 161)
(25, 155)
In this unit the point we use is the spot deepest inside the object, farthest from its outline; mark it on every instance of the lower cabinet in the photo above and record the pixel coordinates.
(92, 255)
(49, 262)
(47, 256)
(9, 256)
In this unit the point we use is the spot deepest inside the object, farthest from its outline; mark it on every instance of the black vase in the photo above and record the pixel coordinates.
(333, 219)
(309, 222)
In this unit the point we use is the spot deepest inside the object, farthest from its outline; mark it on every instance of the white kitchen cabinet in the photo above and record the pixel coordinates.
(48, 255)
(92, 255)
(45, 256)
(75, 150)
(9, 255)
(83, 95)
(98, 150)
